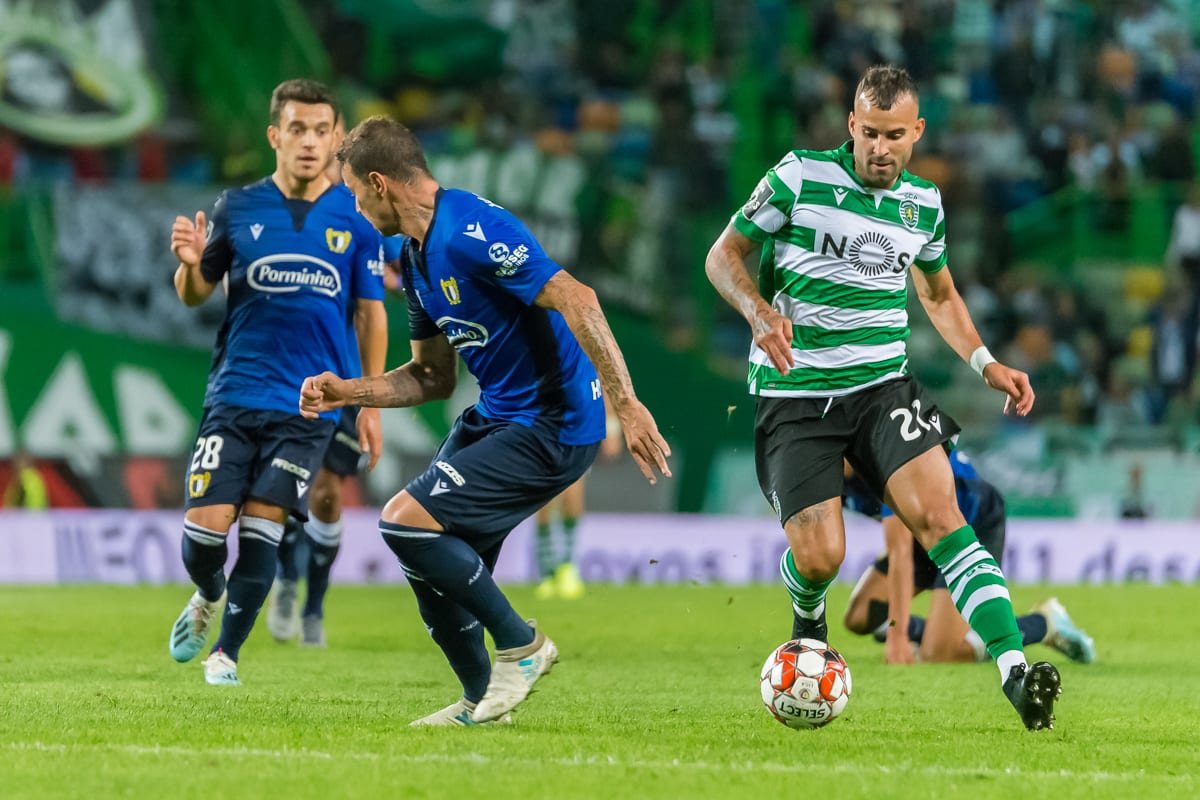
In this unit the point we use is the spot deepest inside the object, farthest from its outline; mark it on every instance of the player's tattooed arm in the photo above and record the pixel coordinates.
(725, 267)
(581, 310)
(430, 375)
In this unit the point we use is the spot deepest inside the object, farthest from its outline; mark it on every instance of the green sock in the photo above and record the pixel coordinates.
(569, 524)
(979, 591)
(808, 597)
(545, 551)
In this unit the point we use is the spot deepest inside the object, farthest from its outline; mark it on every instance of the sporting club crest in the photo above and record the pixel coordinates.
(910, 213)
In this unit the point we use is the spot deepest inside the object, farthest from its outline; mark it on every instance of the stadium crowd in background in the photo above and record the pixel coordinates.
(674, 101)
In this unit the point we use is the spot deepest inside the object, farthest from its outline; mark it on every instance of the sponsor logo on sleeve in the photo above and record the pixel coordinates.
(509, 260)
(762, 193)
(376, 265)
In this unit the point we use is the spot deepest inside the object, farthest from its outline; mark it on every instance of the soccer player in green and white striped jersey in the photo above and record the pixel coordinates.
(836, 232)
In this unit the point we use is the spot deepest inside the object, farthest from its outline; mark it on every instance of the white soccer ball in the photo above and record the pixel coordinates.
(805, 683)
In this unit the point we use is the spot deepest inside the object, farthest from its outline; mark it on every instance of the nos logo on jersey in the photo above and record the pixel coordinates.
(338, 241)
(291, 272)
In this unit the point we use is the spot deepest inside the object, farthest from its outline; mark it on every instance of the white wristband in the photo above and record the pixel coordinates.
(981, 358)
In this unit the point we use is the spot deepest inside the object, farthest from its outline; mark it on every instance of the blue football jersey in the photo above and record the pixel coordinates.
(293, 270)
(475, 279)
(969, 487)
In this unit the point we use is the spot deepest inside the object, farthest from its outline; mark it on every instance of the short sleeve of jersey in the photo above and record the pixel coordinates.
(770, 206)
(218, 252)
(510, 258)
(368, 264)
(420, 324)
(933, 255)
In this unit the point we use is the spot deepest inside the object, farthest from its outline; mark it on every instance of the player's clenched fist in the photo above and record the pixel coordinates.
(188, 239)
(323, 392)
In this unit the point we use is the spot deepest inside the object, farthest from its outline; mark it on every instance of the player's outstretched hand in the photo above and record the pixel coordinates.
(323, 392)
(647, 445)
(897, 650)
(1013, 383)
(188, 239)
(773, 333)
(370, 434)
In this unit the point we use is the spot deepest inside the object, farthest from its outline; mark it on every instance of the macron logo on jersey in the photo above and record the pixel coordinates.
(475, 231)
(256, 230)
(290, 272)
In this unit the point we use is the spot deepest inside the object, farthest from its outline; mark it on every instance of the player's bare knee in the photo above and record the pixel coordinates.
(856, 617)
(215, 518)
(937, 523)
(819, 566)
(257, 508)
(326, 503)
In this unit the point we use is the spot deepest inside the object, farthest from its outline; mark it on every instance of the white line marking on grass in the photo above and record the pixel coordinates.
(476, 759)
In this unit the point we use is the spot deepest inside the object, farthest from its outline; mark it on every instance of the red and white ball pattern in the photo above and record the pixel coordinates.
(805, 683)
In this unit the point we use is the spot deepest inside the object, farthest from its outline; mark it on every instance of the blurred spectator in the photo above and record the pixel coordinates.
(1183, 252)
(1172, 351)
(26, 489)
(1124, 403)
(1133, 503)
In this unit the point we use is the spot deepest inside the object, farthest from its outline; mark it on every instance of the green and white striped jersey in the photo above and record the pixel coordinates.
(834, 259)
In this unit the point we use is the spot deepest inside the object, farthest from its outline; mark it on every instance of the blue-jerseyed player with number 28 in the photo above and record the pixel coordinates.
(300, 266)
(538, 343)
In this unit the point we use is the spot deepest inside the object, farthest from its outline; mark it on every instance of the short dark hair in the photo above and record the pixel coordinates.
(885, 84)
(301, 90)
(381, 144)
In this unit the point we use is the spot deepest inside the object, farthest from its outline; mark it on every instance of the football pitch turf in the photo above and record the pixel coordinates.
(656, 696)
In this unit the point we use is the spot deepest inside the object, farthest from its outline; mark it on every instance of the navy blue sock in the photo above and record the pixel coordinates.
(916, 628)
(289, 563)
(1032, 628)
(453, 568)
(459, 635)
(204, 554)
(250, 581)
(324, 539)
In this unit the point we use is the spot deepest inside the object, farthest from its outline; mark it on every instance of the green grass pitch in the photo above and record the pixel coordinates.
(656, 696)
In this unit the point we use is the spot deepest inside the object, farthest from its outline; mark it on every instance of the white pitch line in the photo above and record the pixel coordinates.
(478, 759)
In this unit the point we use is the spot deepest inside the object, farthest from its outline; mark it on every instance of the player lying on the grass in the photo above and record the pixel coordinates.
(881, 602)
(536, 339)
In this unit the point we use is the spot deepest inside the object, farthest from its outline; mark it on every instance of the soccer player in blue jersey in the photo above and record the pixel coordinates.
(310, 547)
(301, 269)
(881, 602)
(537, 341)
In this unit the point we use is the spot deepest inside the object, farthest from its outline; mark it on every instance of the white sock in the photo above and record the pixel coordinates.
(977, 645)
(1007, 660)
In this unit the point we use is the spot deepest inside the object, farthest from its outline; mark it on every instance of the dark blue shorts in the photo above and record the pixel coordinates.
(343, 455)
(244, 453)
(490, 475)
